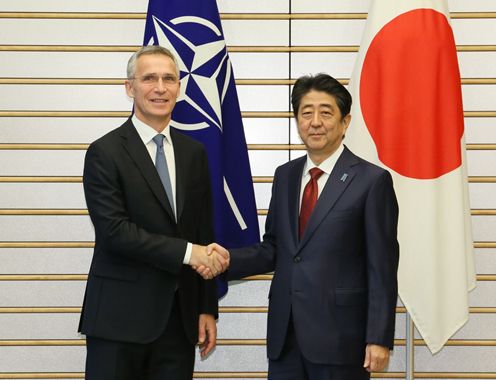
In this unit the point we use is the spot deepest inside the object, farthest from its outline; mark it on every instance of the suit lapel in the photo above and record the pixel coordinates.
(294, 188)
(340, 178)
(136, 149)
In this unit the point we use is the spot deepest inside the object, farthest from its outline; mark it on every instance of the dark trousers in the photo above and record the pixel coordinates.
(292, 365)
(170, 357)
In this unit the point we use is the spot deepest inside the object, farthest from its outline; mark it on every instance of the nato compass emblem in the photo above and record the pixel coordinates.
(205, 69)
(206, 77)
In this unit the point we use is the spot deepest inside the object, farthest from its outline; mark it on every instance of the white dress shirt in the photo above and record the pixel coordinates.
(326, 166)
(147, 133)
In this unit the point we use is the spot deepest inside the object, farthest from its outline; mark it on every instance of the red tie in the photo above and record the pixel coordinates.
(310, 195)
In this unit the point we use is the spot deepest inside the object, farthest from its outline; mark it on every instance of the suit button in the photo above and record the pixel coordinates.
(296, 259)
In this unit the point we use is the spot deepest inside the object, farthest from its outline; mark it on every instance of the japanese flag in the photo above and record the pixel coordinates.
(408, 117)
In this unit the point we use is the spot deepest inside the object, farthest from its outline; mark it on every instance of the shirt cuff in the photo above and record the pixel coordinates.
(187, 254)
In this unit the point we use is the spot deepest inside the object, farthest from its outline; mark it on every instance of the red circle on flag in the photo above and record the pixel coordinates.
(410, 95)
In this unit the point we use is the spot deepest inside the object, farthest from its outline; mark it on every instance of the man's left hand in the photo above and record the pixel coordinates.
(207, 334)
(376, 358)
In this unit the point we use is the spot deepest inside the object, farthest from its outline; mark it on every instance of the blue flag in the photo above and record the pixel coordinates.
(208, 110)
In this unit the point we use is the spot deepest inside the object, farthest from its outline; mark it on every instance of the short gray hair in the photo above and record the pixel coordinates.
(149, 50)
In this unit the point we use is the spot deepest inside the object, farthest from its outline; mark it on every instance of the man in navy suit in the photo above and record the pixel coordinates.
(148, 193)
(331, 238)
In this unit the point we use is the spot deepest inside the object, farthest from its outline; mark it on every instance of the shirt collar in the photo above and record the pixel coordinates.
(327, 165)
(147, 133)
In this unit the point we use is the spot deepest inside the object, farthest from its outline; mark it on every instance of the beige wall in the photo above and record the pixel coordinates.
(46, 235)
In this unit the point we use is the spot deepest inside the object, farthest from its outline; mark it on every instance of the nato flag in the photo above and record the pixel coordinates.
(208, 110)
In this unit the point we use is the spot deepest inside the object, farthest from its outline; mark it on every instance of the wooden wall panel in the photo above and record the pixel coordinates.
(271, 43)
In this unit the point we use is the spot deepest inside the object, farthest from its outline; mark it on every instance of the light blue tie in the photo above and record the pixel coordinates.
(163, 172)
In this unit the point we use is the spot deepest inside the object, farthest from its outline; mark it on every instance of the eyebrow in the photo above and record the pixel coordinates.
(163, 74)
(326, 105)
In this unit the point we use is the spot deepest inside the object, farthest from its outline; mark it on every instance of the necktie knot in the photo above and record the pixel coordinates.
(315, 173)
(159, 140)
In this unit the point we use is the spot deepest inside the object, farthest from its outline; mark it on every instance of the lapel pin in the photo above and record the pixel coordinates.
(343, 178)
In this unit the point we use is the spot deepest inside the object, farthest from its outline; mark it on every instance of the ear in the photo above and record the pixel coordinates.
(178, 89)
(129, 88)
(346, 121)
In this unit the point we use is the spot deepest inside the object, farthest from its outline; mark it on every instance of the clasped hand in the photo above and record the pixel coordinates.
(209, 261)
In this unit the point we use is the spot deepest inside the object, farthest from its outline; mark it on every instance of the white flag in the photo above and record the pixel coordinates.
(407, 116)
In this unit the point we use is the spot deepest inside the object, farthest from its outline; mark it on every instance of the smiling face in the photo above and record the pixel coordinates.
(155, 89)
(320, 124)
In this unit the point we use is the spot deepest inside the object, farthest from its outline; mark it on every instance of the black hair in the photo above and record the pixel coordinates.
(325, 83)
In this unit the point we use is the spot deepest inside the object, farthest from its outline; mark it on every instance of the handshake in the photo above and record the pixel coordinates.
(209, 261)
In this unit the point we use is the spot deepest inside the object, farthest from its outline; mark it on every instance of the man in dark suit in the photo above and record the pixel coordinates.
(331, 239)
(148, 193)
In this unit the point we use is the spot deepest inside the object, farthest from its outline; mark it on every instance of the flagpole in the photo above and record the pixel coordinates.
(410, 347)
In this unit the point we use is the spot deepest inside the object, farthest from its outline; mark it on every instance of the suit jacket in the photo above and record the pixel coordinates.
(339, 281)
(139, 248)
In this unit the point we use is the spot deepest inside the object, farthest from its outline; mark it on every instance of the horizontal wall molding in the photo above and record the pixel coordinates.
(230, 342)
(48, 244)
(261, 375)
(84, 277)
(120, 114)
(78, 179)
(222, 309)
(242, 309)
(239, 82)
(268, 147)
(483, 212)
(65, 113)
(82, 342)
(479, 179)
(90, 244)
(445, 375)
(80, 375)
(77, 310)
(44, 146)
(223, 16)
(120, 81)
(480, 146)
(44, 212)
(231, 49)
(44, 179)
(262, 179)
(42, 375)
(83, 212)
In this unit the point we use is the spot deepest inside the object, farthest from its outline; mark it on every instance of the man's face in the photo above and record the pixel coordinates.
(155, 88)
(320, 124)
